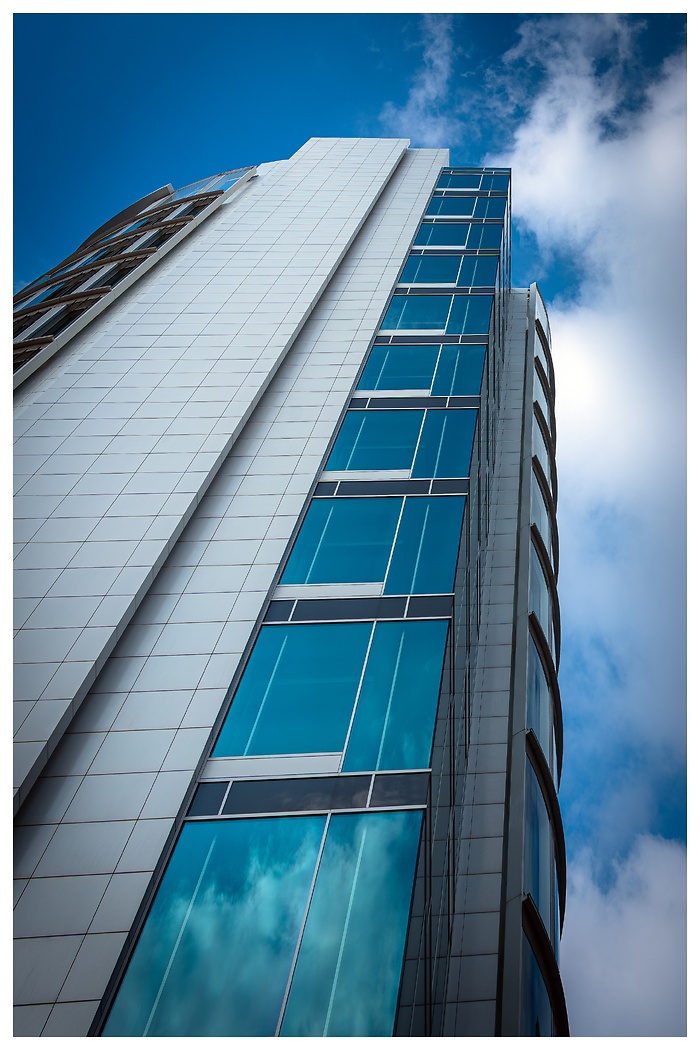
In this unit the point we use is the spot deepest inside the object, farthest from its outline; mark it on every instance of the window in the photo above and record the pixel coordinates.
(459, 182)
(245, 906)
(540, 514)
(490, 208)
(541, 399)
(441, 370)
(451, 206)
(540, 599)
(355, 540)
(431, 269)
(536, 1010)
(460, 235)
(539, 855)
(428, 442)
(384, 704)
(539, 448)
(456, 315)
(478, 271)
(540, 716)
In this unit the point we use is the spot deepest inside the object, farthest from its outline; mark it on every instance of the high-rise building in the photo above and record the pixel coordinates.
(288, 731)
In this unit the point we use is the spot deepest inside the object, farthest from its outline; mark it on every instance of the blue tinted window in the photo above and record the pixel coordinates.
(344, 541)
(346, 978)
(540, 601)
(539, 860)
(540, 517)
(484, 237)
(459, 182)
(536, 1011)
(281, 704)
(445, 447)
(451, 206)
(214, 955)
(470, 315)
(459, 370)
(490, 208)
(447, 233)
(539, 449)
(431, 269)
(539, 705)
(395, 717)
(495, 182)
(399, 367)
(425, 557)
(376, 440)
(478, 271)
(541, 399)
(417, 312)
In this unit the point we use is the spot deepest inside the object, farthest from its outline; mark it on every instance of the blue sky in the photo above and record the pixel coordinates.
(589, 110)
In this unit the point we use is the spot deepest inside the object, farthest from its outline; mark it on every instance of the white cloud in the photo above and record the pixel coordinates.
(623, 950)
(424, 117)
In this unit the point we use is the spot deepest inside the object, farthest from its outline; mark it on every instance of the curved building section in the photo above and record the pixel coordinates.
(50, 310)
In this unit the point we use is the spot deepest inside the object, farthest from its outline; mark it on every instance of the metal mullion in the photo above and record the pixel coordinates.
(420, 432)
(393, 545)
(437, 365)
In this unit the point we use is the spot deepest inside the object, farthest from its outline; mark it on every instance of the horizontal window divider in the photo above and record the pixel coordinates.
(328, 590)
(366, 475)
(372, 395)
(393, 487)
(434, 249)
(421, 401)
(396, 807)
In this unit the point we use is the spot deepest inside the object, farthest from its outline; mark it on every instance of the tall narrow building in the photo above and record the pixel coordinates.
(288, 732)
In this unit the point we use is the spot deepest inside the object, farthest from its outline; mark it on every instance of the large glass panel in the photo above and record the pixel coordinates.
(478, 271)
(490, 208)
(459, 370)
(425, 556)
(451, 206)
(445, 233)
(540, 517)
(430, 269)
(376, 440)
(214, 956)
(400, 367)
(539, 861)
(539, 705)
(282, 704)
(347, 974)
(50, 292)
(541, 399)
(445, 448)
(536, 1010)
(540, 601)
(541, 354)
(416, 312)
(495, 182)
(459, 182)
(470, 315)
(395, 717)
(344, 541)
(484, 236)
(539, 448)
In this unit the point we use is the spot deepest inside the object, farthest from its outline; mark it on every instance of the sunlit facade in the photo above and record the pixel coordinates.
(288, 727)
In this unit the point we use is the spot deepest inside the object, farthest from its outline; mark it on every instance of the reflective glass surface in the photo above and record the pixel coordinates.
(479, 271)
(540, 601)
(495, 182)
(376, 440)
(430, 269)
(541, 399)
(483, 236)
(539, 448)
(395, 717)
(447, 233)
(470, 315)
(344, 541)
(425, 555)
(459, 370)
(416, 312)
(346, 977)
(214, 955)
(540, 517)
(50, 292)
(282, 703)
(445, 446)
(541, 354)
(459, 182)
(539, 861)
(400, 367)
(490, 208)
(451, 206)
(539, 706)
(536, 1011)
